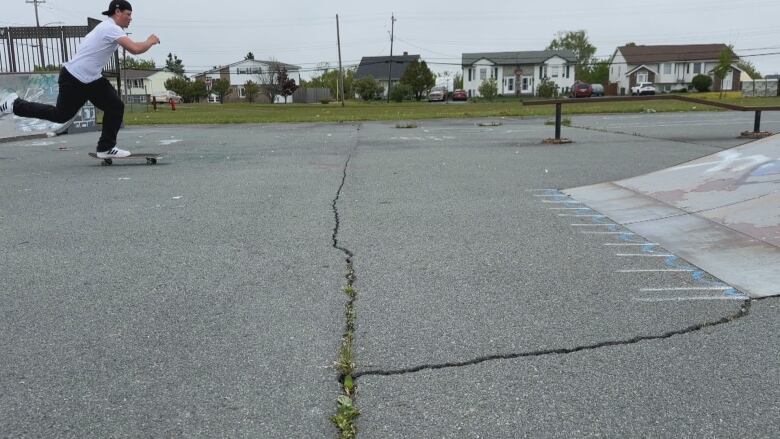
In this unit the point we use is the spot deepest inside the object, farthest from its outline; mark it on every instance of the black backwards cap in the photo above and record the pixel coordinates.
(121, 5)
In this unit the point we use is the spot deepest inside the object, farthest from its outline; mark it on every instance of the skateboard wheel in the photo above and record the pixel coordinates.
(107, 162)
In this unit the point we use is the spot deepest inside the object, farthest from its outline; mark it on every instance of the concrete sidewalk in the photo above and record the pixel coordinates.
(201, 297)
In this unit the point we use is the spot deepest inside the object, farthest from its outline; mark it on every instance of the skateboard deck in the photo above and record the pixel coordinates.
(151, 158)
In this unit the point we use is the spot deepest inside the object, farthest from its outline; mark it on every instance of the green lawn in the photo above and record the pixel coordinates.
(407, 111)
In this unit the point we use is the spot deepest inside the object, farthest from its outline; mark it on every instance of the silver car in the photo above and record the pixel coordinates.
(437, 94)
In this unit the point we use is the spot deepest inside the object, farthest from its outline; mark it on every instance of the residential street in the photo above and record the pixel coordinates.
(203, 296)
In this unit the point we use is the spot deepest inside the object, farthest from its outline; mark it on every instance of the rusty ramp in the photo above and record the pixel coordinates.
(720, 212)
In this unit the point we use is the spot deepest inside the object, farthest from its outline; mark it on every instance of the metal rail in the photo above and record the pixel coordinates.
(560, 102)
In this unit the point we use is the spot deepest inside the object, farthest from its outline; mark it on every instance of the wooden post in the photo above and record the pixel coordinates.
(558, 108)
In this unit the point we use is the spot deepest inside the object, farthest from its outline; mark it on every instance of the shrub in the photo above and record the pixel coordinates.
(701, 82)
(547, 89)
(489, 89)
(367, 88)
(400, 92)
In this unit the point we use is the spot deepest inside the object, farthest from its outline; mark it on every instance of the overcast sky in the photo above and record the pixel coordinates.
(206, 33)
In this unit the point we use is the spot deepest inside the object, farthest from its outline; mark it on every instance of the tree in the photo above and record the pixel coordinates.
(283, 85)
(419, 78)
(701, 82)
(723, 68)
(488, 89)
(577, 42)
(196, 90)
(249, 55)
(251, 89)
(329, 79)
(749, 68)
(174, 64)
(178, 85)
(138, 64)
(368, 88)
(457, 82)
(221, 87)
(595, 73)
(267, 81)
(190, 91)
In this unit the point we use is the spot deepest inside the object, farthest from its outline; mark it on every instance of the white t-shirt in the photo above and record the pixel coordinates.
(95, 51)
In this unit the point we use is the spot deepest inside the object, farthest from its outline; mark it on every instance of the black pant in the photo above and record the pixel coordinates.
(73, 95)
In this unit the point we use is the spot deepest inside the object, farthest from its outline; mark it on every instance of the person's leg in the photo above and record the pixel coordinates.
(72, 96)
(105, 98)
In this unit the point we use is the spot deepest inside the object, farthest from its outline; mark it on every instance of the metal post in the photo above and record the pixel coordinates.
(390, 63)
(558, 107)
(340, 81)
(757, 124)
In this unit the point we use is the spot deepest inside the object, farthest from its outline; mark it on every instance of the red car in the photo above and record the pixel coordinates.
(460, 95)
(581, 90)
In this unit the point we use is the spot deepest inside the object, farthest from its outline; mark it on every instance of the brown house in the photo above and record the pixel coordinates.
(670, 67)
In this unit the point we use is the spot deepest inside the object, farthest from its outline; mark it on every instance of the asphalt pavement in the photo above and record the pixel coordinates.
(202, 296)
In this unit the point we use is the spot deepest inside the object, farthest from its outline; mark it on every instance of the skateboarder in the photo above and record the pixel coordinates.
(81, 80)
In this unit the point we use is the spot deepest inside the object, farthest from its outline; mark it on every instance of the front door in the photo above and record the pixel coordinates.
(527, 85)
(727, 81)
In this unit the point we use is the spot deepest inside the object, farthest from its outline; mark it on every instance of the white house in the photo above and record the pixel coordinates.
(140, 85)
(238, 73)
(669, 67)
(518, 73)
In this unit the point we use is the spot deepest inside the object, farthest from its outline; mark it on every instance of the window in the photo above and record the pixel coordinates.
(482, 74)
(241, 92)
(668, 69)
(696, 67)
(554, 71)
(510, 84)
(471, 75)
(641, 77)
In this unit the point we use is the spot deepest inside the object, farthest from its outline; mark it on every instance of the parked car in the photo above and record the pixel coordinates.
(580, 90)
(643, 88)
(460, 95)
(167, 96)
(598, 90)
(437, 94)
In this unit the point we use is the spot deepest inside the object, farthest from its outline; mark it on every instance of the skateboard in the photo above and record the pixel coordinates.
(151, 158)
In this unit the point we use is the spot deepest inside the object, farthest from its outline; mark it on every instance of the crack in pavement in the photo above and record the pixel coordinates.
(744, 311)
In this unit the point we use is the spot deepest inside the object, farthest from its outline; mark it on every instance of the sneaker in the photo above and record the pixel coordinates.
(113, 153)
(7, 107)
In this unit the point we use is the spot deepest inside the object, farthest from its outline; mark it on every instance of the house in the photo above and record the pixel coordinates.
(669, 67)
(141, 85)
(383, 67)
(238, 73)
(519, 73)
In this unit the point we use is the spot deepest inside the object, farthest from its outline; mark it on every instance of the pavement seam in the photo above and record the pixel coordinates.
(744, 311)
(347, 411)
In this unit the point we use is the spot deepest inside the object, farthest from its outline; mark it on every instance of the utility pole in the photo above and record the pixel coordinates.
(390, 63)
(340, 85)
(38, 25)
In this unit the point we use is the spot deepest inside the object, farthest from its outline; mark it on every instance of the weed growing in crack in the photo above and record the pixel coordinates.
(347, 412)
(345, 418)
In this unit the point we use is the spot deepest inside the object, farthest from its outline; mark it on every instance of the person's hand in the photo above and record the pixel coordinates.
(153, 39)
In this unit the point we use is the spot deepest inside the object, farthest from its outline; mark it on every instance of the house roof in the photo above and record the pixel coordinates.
(643, 66)
(682, 52)
(518, 58)
(376, 66)
(139, 74)
(289, 67)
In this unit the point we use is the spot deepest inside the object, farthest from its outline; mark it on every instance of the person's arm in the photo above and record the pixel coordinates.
(137, 48)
